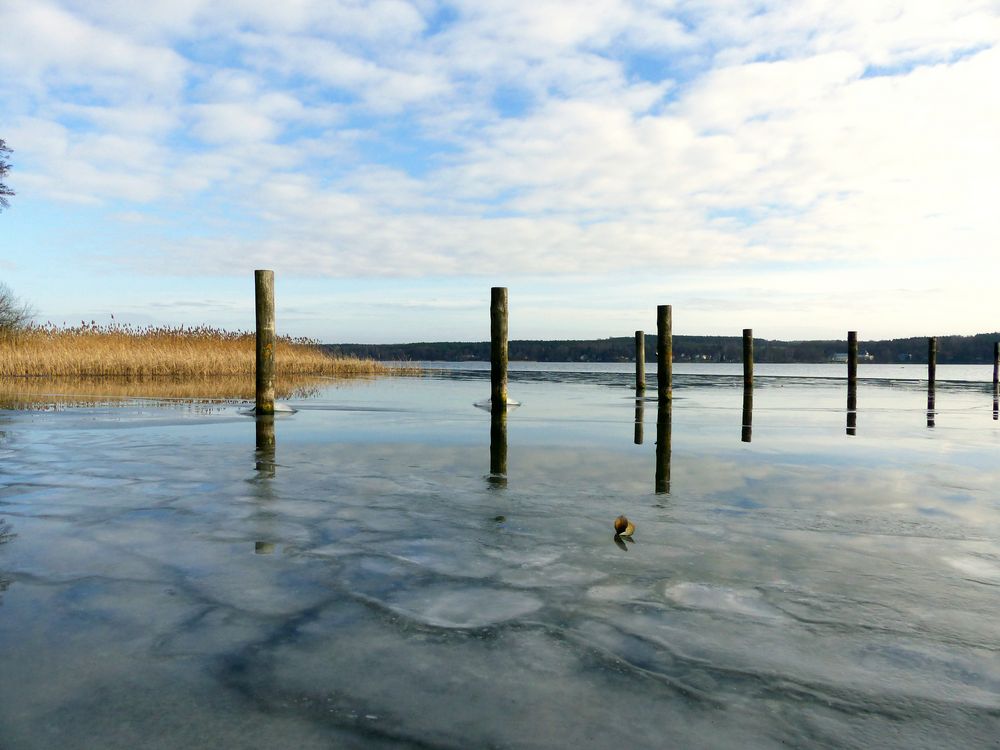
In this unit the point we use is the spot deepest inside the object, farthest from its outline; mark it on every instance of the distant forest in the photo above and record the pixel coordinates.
(951, 350)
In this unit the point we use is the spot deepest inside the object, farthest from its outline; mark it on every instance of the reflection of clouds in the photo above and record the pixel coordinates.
(841, 494)
(800, 569)
(977, 567)
(816, 479)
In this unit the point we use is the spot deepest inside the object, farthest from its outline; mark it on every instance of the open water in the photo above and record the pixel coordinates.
(385, 568)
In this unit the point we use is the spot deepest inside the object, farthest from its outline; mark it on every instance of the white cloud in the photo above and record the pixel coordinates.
(225, 123)
(46, 46)
(345, 139)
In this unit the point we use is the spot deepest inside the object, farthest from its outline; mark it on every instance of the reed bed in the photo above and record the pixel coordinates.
(91, 350)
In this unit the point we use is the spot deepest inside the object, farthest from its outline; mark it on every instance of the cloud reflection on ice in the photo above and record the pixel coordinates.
(805, 588)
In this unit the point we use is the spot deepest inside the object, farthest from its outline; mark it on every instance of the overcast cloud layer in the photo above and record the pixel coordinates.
(770, 161)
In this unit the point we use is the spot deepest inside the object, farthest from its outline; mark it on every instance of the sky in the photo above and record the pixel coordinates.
(799, 168)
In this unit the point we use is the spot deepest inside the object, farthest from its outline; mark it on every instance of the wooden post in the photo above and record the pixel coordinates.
(640, 383)
(664, 418)
(852, 382)
(264, 296)
(265, 435)
(931, 361)
(664, 353)
(748, 358)
(996, 367)
(640, 362)
(498, 348)
(996, 380)
(852, 359)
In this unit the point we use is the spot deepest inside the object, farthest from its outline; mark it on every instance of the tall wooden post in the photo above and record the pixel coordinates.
(852, 359)
(498, 348)
(996, 380)
(931, 361)
(640, 362)
(852, 382)
(931, 378)
(264, 296)
(664, 353)
(748, 358)
(996, 367)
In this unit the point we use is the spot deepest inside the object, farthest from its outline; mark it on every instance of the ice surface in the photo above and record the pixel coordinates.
(447, 606)
(721, 599)
(360, 583)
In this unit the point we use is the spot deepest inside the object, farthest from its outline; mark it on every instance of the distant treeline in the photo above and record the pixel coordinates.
(951, 350)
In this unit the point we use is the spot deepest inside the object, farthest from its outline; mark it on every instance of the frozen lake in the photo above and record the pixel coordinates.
(364, 574)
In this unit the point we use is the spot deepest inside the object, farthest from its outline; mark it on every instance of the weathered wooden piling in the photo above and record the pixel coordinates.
(996, 367)
(264, 297)
(498, 348)
(664, 418)
(265, 435)
(931, 361)
(852, 382)
(996, 380)
(640, 362)
(747, 434)
(852, 359)
(748, 358)
(664, 352)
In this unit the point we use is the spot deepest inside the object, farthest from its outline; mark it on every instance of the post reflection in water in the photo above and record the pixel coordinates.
(852, 411)
(640, 409)
(5, 536)
(747, 435)
(266, 469)
(498, 448)
(664, 416)
(265, 445)
(930, 406)
(996, 406)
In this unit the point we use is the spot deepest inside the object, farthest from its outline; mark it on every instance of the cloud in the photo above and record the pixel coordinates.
(46, 47)
(393, 139)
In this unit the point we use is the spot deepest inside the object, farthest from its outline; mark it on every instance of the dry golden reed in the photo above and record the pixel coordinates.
(91, 350)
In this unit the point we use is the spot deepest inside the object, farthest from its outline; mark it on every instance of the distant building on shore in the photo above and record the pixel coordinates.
(862, 357)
